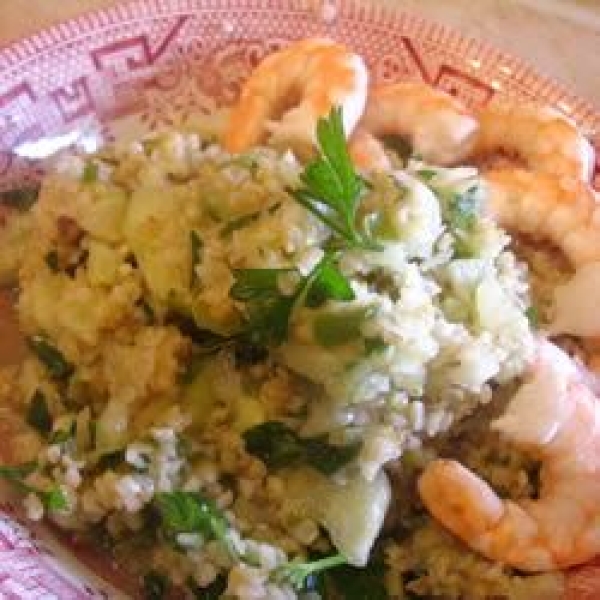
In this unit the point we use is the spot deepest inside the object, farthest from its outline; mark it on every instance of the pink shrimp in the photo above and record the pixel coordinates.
(312, 76)
(543, 138)
(438, 126)
(557, 418)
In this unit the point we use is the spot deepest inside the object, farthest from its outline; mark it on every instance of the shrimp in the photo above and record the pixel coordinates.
(558, 419)
(437, 125)
(562, 210)
(567, 213)
(543, 138)
(288, 92)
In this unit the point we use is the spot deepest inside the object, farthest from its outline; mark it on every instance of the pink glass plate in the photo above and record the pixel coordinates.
(155, 63)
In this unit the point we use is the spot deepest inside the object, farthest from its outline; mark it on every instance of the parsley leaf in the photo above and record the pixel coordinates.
(533, 316)
(269, 310)
(297, 572)
(459, 210)
(190, 512)
(90, 172)
(352, 583)
(52, 499)
(331, 187)
(279, 446)
(50, 356)
(38, 415)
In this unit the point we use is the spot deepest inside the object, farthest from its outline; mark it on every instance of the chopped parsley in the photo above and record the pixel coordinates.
(331, 188)
(296, 573)
(50, 356)
(279, 446)
(38, 415)
(269, 310)
(190, 512)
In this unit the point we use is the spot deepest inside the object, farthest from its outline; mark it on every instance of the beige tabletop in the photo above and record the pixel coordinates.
(560, 37)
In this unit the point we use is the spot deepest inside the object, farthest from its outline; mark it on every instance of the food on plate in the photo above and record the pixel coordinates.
(319, 73)
(257, 369)
(437, 126)
(556, 417)
(541, 137)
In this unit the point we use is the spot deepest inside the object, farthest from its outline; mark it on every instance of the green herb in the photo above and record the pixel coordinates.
(50, 356)
(329, 284)
(239, 223)
(331, 187)
(533, 316)
(295, 573)
(156, 586)
(52, 499)
(269, 311)
(460, 210)
(336, 329)
(352, 583)
(21, 199)
(90, 172)
(38, 415)
(52, 261)
(18, 472)
(213, 592)
(427, 175)
(62, 436)
(279, 446)
(190, 512)
(197, 245)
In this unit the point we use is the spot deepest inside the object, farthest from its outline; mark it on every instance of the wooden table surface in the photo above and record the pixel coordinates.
(540, 31)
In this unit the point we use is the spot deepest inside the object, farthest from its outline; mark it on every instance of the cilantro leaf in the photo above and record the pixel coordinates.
(332, 189)
(279, 446)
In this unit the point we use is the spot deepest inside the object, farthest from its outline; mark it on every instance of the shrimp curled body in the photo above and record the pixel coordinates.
(560, 210)
(540, 136)
(437, 125)
(558, 419)
(313, 76)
